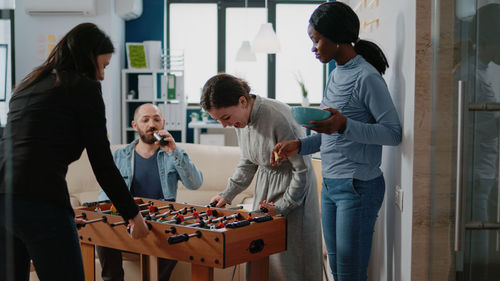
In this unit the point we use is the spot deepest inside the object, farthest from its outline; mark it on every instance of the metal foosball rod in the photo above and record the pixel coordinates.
(179, 218)
(208, 213)
(183, 211)
(143, 212)
(155, 209)
(117, 223)
(169, 213)
(206, 222)
(183, 237)
(103, 218)
(139, 205)
(82, 215)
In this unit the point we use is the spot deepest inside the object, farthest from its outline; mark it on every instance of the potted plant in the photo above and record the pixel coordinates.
(204, 116)
(194, 117)
(300, 81)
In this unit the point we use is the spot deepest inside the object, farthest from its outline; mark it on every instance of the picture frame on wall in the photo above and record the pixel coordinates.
(3, 73)
(136, 55)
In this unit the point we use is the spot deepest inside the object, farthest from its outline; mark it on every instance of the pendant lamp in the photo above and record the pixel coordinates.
(245, 52)
(266, 40)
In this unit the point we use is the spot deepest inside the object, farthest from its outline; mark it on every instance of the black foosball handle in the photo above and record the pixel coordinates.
(96, 203)
(178, 239)
(263, 218)
(182, 237)
(237, 224)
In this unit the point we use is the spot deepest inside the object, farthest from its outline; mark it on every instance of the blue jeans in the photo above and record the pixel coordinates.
(40, 231)
(349, 209)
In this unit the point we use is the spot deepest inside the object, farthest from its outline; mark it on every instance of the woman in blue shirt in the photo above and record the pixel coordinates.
(350, 141)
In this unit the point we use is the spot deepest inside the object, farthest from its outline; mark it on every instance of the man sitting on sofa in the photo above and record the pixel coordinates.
(152, 171)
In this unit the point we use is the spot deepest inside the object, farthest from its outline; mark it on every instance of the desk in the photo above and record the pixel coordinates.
(198, 125)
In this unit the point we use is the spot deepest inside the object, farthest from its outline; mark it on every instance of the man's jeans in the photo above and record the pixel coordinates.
(349, 209)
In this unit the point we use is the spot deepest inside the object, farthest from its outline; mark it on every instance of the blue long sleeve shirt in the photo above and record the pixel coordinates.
(360, 93)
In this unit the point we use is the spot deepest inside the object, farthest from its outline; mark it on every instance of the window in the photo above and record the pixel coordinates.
(243, 24)
(193, 30)
(210, 45)
(296, 61)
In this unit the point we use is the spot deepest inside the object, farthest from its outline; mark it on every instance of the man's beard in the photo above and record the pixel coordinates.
(149, 139)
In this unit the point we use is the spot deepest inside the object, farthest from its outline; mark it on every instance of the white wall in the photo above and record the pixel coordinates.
(31, 33)
(395, 34)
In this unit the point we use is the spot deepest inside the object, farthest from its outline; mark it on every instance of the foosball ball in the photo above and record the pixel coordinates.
(204, 236)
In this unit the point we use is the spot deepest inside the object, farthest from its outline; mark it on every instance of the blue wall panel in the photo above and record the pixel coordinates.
(149, 26)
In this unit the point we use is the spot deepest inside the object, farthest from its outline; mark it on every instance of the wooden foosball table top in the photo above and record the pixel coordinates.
(200, 235)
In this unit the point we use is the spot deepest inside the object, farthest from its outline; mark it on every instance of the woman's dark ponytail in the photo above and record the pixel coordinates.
(339, 23)
(372, 54)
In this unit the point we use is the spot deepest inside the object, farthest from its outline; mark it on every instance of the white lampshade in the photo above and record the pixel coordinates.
(266, 40)
(245, 52)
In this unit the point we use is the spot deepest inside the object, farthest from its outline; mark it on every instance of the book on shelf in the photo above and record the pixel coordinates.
(136, 55)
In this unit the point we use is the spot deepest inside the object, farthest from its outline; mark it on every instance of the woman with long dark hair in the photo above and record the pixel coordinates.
(289, 190)
(350, 141)
(55, 113)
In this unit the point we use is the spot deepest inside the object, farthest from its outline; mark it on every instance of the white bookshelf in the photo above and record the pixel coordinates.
(173, 108)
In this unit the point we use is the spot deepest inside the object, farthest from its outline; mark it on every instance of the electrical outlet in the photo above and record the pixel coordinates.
(398, 197)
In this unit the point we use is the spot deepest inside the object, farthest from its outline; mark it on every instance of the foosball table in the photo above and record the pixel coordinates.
(204, 236)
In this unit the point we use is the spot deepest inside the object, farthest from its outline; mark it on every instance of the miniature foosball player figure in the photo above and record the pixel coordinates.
(151, 167)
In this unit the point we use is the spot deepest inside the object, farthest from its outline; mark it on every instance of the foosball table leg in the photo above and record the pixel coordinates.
(202, 273)
(88, 256)
(149, 268)
(259, 269)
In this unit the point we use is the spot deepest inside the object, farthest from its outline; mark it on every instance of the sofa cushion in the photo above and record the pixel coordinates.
(217, 163)
(82, 184)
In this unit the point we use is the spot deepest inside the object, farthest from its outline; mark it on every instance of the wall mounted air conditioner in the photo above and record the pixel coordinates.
(60, 7)
(128, 9)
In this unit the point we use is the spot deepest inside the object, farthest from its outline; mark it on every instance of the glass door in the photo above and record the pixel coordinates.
(475, 75)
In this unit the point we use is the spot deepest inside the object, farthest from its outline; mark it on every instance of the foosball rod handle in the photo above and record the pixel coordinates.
(82, 215)
(262, 218)
(237, 224)
(183, 237)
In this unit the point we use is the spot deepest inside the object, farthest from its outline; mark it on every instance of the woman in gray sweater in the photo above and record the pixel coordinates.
(289, 190)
